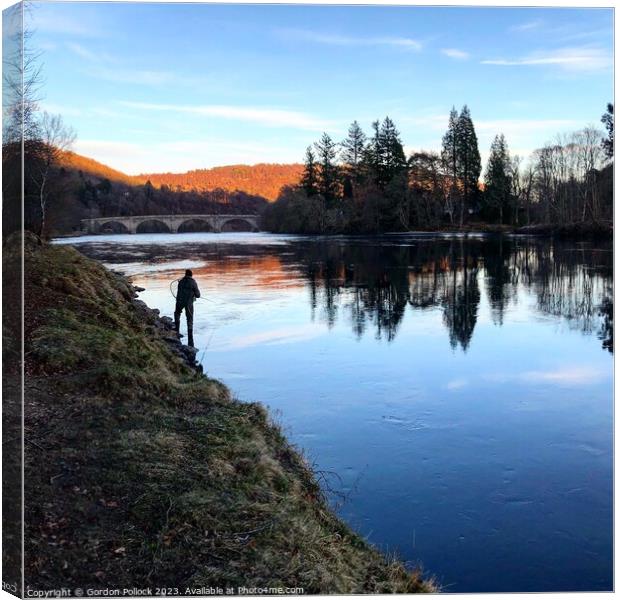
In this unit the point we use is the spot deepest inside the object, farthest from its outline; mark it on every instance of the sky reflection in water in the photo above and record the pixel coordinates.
(460, 388)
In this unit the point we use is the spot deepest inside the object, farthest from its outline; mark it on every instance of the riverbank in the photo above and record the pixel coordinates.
(141, 471)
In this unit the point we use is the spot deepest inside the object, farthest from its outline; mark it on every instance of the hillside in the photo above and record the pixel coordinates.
(264, 180)
(86, 188)
(77, 162)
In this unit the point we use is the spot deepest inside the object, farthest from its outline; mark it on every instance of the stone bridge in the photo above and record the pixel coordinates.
(171, 223)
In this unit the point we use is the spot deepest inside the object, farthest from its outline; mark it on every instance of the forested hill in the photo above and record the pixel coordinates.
(264, 180)
(84, 188)
(89, 166)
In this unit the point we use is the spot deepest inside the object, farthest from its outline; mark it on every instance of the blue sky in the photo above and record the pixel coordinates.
(171, 87)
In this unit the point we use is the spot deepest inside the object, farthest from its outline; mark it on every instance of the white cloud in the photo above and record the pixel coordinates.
(584, 58)
(455, 53)
(271, 117)
(345, 40)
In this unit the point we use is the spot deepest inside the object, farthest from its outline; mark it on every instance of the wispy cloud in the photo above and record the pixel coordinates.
(528, 25)
(271, 117)
(335, 39)
(136, 76)
(108, 68)
(90, 55)
(583, 58)
(455, 53)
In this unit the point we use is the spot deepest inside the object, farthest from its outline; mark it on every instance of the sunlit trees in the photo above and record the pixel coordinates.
(372, 187)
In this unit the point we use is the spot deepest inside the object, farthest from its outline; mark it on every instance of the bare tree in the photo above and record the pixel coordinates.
(55, 138)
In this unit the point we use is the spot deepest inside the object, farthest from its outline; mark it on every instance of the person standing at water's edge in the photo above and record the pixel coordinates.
(187, 292)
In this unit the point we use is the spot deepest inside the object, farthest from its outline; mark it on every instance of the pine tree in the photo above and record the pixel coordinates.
(468, 160)
(329, 172)
(353, 150)
(449, 157)
(392, 155)
(309, 179)
(371, 157)
(497, 177)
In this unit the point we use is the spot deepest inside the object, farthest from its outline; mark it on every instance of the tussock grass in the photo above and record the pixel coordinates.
(143, 472)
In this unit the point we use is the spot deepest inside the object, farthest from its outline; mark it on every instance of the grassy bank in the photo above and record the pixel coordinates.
(142, 472)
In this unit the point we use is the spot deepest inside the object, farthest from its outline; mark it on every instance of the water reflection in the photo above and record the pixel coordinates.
(371, 282)
(372, 285)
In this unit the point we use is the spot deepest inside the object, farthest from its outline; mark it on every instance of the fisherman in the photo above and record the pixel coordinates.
(187, 292)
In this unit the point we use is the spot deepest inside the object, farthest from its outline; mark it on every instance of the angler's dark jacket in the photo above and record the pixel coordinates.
(187, 291)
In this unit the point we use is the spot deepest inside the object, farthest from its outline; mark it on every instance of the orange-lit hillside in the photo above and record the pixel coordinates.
(77, 162)
(264, 180)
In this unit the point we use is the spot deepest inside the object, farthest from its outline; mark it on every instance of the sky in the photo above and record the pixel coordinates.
(173, 87)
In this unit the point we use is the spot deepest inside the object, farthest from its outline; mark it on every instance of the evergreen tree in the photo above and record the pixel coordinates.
(309, 179)
(497, 178)
(608, 120)
(329, 172)
(353, 151)
(371, 158)
(449, 157)
(468, 160)
(392, 155)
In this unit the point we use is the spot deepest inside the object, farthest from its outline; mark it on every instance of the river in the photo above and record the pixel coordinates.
(454, 393)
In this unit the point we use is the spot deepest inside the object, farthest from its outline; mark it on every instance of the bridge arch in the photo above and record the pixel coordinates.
(238, 224)
(152, 226)
(194, 224)
(112, 226)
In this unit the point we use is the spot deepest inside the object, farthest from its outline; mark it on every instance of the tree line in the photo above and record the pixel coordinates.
(366, 183)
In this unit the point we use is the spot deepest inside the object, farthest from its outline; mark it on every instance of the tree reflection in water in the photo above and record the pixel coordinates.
(371, 282)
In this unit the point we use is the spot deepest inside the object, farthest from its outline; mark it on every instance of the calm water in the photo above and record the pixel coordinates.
(457, 392)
